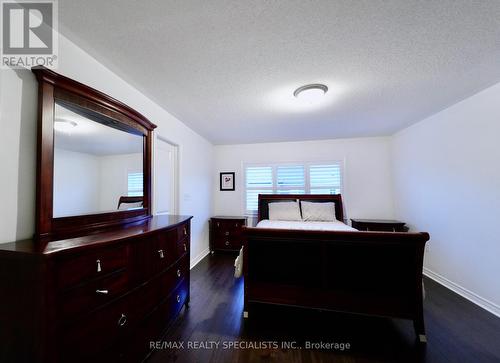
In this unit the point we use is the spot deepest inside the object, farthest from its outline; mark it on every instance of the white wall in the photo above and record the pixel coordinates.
(447, 182)
(87, 183)
(18, 95)
(367, 175)
(18, 100)
(77, 183)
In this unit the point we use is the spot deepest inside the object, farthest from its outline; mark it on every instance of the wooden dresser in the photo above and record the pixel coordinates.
(226, 233)
(97, 298)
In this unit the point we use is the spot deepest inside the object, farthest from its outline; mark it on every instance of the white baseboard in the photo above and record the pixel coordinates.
(462, 291)
(198, 258)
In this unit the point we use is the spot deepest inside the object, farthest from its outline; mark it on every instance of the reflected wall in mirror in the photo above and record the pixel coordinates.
(98, 163)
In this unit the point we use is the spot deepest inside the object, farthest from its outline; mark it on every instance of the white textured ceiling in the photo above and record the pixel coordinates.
(227, 68)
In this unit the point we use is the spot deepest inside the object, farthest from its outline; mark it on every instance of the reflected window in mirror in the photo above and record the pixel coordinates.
(97, 161)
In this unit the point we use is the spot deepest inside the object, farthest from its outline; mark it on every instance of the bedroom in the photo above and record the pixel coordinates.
(402, 122)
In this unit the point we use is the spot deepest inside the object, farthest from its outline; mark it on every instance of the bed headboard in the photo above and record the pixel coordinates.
(265, 199)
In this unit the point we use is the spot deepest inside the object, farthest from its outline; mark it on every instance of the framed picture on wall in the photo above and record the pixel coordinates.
(226, 181)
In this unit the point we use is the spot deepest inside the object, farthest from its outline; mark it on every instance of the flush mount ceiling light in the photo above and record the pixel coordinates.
(65, 126)
(309, 98)
(311, 93)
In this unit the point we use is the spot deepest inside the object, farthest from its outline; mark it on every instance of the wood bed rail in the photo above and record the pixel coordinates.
(372, 273)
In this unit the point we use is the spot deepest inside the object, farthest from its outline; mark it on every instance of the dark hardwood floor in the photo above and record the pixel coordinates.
(457, 330)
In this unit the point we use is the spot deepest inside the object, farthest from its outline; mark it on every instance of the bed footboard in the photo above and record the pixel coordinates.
(373, 273)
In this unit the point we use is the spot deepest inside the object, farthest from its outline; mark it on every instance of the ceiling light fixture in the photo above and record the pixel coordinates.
(311, 93)
(65, 126)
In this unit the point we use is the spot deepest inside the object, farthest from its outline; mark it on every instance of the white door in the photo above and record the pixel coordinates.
(166, 167)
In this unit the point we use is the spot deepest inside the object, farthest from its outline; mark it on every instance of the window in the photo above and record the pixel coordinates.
(291, 178)
(135, 185)
(259, 180)
(325, 179)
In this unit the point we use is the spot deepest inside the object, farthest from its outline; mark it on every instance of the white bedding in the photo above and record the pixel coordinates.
(298, 225)
(309, 225)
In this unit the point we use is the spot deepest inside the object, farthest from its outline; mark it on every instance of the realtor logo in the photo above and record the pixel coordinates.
(29, 34)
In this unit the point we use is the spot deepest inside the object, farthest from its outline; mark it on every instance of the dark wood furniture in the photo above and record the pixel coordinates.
(95, 298)
(226, 233)
(373, 273)
(91, 288)
(129, 200)
(55, 88)
(387, 225)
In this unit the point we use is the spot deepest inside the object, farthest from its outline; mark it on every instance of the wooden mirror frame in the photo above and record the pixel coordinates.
(52, 87)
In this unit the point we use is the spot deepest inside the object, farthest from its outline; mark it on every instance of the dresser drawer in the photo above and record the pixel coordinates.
(171, 278)
(166, 253)
(155, 324)
(183, 231)
(173, 248)
(152, 255)
(177, 299)
(74, 270)
(85, 298)
(88, 338)
(148, 296)
(182, 247)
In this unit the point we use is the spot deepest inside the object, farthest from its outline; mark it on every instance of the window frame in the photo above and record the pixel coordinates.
(274, 188)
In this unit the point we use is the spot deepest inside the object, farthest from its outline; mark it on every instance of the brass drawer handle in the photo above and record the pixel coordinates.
(178, 273)
(123, 320)
(185, 248)
(236, 225)
(161, 253)
(227, 233)
(227, 243)
(185, 231)
(178, 299)
(102, 292)
(98, 262)
(218, 224)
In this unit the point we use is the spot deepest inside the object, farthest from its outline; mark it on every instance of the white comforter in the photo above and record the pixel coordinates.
(310, 226)
(298, 225)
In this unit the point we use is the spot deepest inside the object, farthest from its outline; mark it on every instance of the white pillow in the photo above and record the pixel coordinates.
(284, 211)
(317, 211)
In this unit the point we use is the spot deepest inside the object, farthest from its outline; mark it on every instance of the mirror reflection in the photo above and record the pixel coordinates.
(98, 163)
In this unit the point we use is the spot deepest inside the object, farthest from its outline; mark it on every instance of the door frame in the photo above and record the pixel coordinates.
(176, 172)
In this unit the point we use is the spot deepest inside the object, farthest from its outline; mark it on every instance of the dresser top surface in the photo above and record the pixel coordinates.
(229, 217)
(378, 221)
(109, 235)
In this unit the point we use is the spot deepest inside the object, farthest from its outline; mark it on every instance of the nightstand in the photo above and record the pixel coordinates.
(226, 233)
(385, 225)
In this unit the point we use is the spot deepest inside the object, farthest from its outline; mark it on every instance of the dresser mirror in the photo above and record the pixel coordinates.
(94, 160)
(98, 163)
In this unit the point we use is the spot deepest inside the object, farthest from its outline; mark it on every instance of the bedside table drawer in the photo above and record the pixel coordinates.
(222, 227)
(227, 243)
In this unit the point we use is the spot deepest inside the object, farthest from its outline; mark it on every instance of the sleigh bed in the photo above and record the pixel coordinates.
(371, 273)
